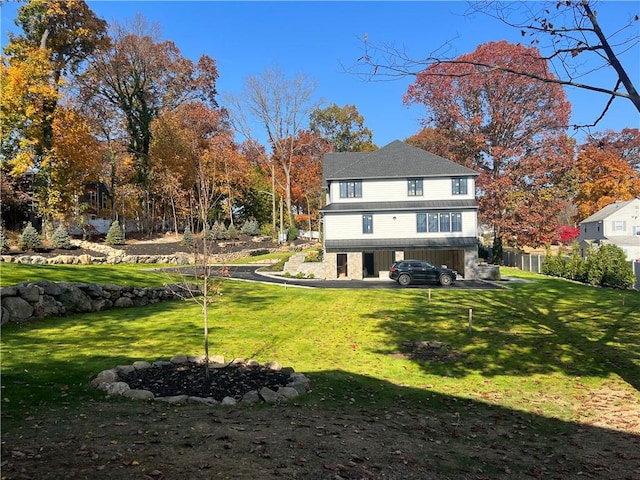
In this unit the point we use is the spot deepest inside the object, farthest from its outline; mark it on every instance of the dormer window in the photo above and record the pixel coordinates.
(415, 187)
(351, 189)
(459, 186)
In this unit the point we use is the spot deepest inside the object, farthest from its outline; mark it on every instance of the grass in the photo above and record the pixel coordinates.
(135, 275)
(533, 347)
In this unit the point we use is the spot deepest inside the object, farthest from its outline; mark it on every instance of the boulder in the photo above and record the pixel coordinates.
(269, 395)
(251, 397)
(47, 305)
(141, 365)
(123, 302)
(31, 293)
(117, 389)
(74, 299)
(175, 400)
(136, 394)
(17, 308)
(49, 288)
(288, 392)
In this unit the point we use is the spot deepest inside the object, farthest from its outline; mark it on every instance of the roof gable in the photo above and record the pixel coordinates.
(395, 160)
(609, 210)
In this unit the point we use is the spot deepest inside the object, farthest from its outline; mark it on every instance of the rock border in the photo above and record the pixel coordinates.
(29, 301)
(112, 384)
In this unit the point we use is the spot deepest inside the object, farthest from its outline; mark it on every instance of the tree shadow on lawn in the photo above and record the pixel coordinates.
(349, 425)
(524, 331)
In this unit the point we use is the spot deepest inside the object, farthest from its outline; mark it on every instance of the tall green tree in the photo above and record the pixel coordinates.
(343, 128)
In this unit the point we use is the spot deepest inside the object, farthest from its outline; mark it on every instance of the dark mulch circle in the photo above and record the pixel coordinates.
(428, 351)
(189, 379)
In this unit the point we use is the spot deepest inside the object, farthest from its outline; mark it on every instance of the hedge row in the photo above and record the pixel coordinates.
(606, 266)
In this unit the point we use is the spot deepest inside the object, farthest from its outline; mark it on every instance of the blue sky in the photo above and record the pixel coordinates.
(321, 39)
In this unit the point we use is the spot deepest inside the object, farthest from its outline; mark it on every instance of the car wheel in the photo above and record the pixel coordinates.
(404, 279)
(446, 280)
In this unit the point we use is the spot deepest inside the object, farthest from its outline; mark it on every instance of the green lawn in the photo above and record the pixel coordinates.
(535, 346)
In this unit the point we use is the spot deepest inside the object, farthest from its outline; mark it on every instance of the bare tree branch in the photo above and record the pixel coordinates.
(571, 29)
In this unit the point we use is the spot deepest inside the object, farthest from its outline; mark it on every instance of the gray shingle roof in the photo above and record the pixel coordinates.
(399, 243)
(411, 206)
(607, 211)
(395, 160)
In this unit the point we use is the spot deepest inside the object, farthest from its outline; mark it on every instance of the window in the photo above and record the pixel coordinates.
(367, 223)
(421, 222)
(351, 189)
(456, 222)
(619, 226)
(103, 200)
(93, 198)
(445, 222)
(415, 188)
(459, 186)
(433, 222)
(439, 222)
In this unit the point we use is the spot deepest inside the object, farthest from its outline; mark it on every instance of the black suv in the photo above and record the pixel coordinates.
(406, 272)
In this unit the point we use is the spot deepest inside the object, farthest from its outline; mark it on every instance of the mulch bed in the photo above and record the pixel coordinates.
(54, 252)
(189, 379)
(161, 246)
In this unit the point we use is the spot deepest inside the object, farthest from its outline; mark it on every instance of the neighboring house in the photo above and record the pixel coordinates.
(399, 202)
(96, 199)
(618, 224)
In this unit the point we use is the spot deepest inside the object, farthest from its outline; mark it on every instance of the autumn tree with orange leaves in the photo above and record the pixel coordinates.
(568, 35)
(607, 170)
(510, 129)
(140, 76)
(307, 178)
(58, 37)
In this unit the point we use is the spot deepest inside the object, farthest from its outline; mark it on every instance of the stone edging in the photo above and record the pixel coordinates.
(110, 382)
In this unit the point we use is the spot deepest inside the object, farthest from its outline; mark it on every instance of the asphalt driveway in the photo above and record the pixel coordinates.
(254, 273)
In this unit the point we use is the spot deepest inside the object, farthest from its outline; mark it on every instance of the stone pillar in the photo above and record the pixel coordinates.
(471, 263)
(354, 266)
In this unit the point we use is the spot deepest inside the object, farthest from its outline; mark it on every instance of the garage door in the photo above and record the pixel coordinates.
(451, 258)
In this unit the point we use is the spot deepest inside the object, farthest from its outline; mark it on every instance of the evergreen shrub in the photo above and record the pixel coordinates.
(61, 238)
(251, 227)
(4, 244)
(553, 265)
(617, 272)
(187, 237)
(114, 235)
(30, 239)
(219, 231)
(232, 233)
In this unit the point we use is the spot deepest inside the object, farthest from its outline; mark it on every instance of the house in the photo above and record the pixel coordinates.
(399, 202)
(618, 224)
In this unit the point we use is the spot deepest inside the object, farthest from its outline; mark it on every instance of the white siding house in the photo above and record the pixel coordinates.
(397, 203)
(617, 223)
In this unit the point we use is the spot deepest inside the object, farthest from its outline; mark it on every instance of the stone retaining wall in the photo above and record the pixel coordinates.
(36, 300)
